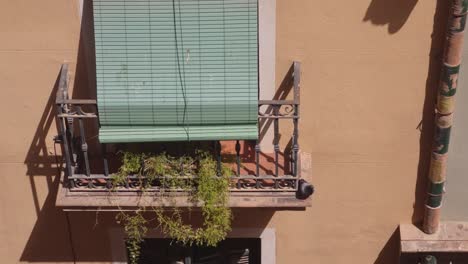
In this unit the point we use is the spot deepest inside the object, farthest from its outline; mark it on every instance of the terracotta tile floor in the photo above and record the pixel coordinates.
(247, 155)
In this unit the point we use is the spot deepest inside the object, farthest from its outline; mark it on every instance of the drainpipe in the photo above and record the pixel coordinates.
(444, 114)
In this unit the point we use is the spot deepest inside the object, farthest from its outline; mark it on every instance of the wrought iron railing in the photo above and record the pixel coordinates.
(74, 114)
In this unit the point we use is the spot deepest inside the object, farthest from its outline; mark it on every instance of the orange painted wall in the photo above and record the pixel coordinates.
(369, 69)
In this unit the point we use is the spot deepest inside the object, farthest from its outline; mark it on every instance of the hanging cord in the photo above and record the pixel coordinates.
(181, 70)
(70, 237)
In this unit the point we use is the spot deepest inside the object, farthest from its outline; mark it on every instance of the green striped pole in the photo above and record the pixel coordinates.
(444, 114)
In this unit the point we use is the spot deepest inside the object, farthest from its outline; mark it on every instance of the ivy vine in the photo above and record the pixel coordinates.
(210, 188)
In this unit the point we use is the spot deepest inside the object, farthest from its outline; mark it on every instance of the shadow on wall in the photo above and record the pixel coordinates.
(85, 80)
(48, 239)
(393, 13)
(284, 90)
(389, 253)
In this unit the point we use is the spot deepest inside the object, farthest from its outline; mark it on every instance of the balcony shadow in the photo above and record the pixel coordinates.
(50, 238)
(426, 126)
(84, 86)
(281, 93)
(391, 13)
(39, 161)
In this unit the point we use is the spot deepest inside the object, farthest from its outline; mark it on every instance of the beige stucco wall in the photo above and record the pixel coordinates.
(365, 78)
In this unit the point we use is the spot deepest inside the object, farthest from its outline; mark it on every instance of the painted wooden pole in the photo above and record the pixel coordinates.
(444, 113)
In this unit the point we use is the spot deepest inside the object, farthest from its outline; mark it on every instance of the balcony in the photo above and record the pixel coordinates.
(259, 179)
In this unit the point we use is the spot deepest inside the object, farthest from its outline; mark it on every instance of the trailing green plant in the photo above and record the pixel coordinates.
(172, 172)
(135, 229)
(212, 191)
(131, 165)
(209, 188)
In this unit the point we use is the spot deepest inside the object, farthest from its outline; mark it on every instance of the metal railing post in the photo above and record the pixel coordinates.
(63, 130)
(295, 143)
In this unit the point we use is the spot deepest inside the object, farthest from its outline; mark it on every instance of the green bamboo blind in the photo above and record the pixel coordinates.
(174, 70)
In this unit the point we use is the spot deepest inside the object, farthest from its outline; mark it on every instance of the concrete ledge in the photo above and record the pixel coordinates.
(451, 237)
(103, 200)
